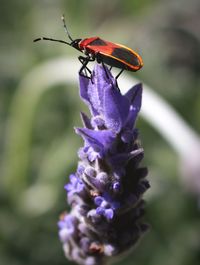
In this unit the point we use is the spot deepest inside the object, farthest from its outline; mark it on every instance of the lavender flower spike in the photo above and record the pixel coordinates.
(105, 193)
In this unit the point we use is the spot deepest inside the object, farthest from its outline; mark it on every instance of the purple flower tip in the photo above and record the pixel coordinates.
(105, 193)
(116, 186)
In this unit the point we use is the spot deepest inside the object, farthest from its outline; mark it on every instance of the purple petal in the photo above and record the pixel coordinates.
(92, 214)
(100, 74)
(92, 92)
(116, 186)
(83, 83)
(98, 200)
(66, 227)
(115, 109)
(103, 177)
(68, 187)
(100, 210)
(93, 155)
(135, 97)
(80, 169)
(110, 250)
(109, 213)
(90, 261)
(93, 182)
(75, 184)
(101, 82)
(101, 141)
(85, 88)
(85, 243)
(90, 171)
(73, 178)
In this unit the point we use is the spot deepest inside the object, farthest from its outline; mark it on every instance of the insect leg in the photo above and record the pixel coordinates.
(117, 76)
(84, 61)
(104, 67)
(82, 71)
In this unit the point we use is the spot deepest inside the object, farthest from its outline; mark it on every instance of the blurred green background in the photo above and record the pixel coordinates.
(38, 144)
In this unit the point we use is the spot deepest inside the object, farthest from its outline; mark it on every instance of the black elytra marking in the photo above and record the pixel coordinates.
(98, 42)
(125, 55)
(112, 62)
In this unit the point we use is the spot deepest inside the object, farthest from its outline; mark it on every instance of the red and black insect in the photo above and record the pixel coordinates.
(105, 52)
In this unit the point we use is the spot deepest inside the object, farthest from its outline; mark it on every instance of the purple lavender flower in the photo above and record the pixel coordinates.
(105, 193)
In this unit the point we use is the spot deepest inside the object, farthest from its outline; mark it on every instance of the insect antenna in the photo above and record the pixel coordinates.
(44, 38)
(65, 27)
